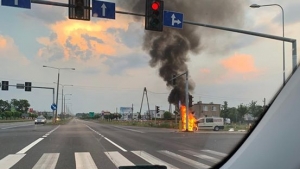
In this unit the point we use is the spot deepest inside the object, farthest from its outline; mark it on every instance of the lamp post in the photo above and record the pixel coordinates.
(55, 116)
(65, 101)
(283, 45)
(62, 95)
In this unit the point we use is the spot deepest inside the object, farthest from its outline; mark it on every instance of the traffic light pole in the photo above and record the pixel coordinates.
(39, 87)
(293, 41)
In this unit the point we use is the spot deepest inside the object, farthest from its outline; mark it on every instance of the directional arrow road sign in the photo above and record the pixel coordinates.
(173, 19)
(103, 9)
(53, 106)
(17, 3)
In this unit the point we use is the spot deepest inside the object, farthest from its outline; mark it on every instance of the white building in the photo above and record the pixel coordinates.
(153, 113)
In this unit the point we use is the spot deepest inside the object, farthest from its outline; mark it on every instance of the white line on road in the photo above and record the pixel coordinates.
(23, 151)
(10, 160)
(130, 129)
(153, 160)
(47, 161)
(202, 156)
(84, 160)
(108, 139)
(215, 153)
(115, 144)
(118, 159)
(17, 126)
(185, 160)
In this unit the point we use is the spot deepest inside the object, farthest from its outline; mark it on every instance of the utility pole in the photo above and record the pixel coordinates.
(132, 112)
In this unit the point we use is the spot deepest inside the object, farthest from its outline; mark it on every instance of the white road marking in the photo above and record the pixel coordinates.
(108, 139)
(215, 153)
(115, 144)
(129, 129)
(153, 160)
(118, 159)
(47, 161)
(10, 160)
(185, 160)
(23, 151)
(84, 160)
(202, 156)
(44, 136)
(17, 126)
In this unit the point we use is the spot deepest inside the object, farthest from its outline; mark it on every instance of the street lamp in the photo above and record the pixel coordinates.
(258, 6)
(55, 116)
(62, 95)
(65, 101)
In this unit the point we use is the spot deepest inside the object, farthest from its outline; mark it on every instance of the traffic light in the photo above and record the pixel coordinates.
(157, 109)
(79, 9)
(4, 85)
(191, 101)
(174, 80)
(154, 15)
(27, 86)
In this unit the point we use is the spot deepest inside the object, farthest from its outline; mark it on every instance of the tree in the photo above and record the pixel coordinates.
(167, 115)
(20, 105)
(4, 106)
(232, 114)
(242, 110)
(224, 110)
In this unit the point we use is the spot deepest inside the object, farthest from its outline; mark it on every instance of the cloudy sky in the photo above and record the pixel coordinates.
(112, 68)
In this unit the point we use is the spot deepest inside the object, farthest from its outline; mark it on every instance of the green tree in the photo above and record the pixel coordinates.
(242, 110)
(20, 105)
(232, 114)
(4, 106)
(167, 115)
(8, 114)
(224, 110)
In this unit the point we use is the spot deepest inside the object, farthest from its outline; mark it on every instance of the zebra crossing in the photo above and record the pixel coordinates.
(191, 159)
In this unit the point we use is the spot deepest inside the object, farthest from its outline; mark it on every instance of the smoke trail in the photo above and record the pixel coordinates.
(169, 49)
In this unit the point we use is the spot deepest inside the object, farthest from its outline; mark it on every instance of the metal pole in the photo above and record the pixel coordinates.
(187, 99)
(294, 45)
(142, 100)
(155, 115)
(148, 103)
(62, 100)
(132, 112)
(64, 104)
(53, 115)
(283, 45)
(57, 96)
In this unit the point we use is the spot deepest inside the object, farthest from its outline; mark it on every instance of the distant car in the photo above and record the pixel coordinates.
(210, 123)
(40, 120)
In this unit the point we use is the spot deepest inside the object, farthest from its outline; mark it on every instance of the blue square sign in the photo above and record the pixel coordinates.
(103, 9)
(173, 19)
(17, 3)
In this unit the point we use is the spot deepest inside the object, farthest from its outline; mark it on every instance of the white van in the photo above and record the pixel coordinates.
(210, 123)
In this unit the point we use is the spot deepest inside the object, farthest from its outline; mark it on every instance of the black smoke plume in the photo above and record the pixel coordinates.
(169, 49)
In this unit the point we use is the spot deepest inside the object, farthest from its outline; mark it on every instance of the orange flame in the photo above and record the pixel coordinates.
(191, 120)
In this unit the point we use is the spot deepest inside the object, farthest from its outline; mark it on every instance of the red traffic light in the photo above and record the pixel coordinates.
(155, 5)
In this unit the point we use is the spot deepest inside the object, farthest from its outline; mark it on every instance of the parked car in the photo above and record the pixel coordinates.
(40, 120)
(210, 123)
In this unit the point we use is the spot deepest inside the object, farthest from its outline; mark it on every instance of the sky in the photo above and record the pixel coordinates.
(112, 68)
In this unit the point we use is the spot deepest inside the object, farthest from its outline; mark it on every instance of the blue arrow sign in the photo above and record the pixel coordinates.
(53, 106)
(173, 19)
(17, 3)
(103, 9)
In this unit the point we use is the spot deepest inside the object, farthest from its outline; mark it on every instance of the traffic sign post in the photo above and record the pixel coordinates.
(53, 106)
(173, 19)
(91, 114)
(17, 3)
(103, 9)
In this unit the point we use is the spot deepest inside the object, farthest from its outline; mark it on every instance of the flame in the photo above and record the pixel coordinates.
(191, 120)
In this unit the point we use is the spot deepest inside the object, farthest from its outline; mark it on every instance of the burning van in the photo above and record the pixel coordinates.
(210, 123)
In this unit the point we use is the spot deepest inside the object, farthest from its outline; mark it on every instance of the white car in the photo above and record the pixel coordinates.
(40, 120)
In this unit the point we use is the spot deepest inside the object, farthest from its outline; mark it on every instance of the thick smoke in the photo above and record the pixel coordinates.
(169, 49)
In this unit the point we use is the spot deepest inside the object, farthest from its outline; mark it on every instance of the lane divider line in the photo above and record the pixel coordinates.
(25, 149)
(16, 126)
(113, 143)
(129, 129)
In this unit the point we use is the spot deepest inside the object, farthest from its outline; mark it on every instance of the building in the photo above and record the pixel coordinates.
(159, 115)
(206, 109)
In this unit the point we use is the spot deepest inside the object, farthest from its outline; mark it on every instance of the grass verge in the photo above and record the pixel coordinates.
(12, 121)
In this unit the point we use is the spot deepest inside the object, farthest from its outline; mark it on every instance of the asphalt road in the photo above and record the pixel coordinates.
(89, 145)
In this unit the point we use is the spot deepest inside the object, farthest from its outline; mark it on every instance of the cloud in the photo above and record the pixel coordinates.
(118, 65)
(291, 14)
(205, 70)
(71, 39)
(239, 63)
